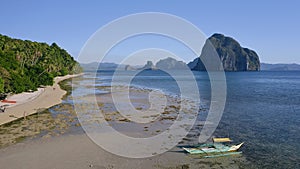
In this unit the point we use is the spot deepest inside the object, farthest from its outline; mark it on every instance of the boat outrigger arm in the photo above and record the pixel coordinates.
(221, 140)
(222, 154)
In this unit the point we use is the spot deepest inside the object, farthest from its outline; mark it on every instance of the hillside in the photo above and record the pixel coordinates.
(27, 65)
(232, 55)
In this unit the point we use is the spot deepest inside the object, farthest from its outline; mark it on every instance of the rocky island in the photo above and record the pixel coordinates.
(232, 55)
(170, 64)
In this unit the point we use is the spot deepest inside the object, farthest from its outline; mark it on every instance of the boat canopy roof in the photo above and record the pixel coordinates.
(220, 140)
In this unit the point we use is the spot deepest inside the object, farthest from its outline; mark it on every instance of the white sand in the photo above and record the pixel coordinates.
(79, 152)
(23, 97)
(29, 103)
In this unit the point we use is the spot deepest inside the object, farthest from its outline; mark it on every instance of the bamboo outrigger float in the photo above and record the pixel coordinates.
(215, 149)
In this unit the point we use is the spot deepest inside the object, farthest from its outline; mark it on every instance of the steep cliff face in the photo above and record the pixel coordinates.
(232, 55)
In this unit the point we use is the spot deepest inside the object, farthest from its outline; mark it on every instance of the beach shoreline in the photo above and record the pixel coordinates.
(30, 103)
(78, 151)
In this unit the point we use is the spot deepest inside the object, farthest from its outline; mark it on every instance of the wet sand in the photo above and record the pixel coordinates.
(43, 124)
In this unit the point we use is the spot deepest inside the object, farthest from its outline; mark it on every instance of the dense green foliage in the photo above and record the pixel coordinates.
(26, 65)
(1, 85)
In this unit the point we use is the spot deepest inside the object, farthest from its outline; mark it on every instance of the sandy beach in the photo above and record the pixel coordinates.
(79, 152)
(28, 103)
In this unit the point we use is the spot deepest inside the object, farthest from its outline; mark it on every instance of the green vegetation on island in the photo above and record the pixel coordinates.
(27, 65)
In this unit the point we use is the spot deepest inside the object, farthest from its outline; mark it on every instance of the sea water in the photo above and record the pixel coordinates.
(262, 109)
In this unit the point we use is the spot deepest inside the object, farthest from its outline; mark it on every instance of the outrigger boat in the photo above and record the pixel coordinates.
(217, 148)
(8, 101)
(3, 108)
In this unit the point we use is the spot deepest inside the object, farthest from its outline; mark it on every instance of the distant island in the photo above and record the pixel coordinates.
(148, 66)
(280, 67)
(232, 55)
(171, 64)
(233, 58)
(27, 65)
(98, 66)
(165, 64)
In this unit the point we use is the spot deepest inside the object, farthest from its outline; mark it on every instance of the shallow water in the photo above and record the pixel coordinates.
(262, 109)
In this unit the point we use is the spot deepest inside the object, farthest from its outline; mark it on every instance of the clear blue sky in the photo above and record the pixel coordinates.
(271, 28)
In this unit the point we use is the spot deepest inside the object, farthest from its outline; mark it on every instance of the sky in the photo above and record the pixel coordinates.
(268, 27)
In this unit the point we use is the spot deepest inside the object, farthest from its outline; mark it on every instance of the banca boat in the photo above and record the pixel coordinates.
(216, 147)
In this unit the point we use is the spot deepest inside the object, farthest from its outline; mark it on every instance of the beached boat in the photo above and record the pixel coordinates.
(216, 147)
(8, 101)
(3, 108)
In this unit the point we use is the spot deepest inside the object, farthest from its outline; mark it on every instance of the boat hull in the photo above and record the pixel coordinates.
(212, 148)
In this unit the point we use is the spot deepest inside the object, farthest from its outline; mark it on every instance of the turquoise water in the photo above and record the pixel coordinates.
(262, 109)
